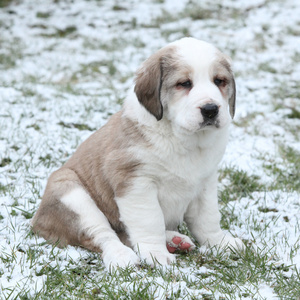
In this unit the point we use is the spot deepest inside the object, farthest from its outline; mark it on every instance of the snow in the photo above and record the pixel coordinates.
(47, 79)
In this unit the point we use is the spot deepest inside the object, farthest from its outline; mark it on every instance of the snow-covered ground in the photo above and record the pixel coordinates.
(65, 67)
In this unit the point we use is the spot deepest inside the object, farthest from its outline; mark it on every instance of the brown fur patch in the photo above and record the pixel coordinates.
(53, 220)
(104, 167)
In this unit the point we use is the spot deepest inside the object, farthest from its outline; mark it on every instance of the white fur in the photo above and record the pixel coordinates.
(94, 223)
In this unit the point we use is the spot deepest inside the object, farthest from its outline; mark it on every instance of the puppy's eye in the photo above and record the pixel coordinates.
(186, 84)
(219, 82)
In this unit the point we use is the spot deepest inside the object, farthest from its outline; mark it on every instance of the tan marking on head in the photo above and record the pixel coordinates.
(221, 69)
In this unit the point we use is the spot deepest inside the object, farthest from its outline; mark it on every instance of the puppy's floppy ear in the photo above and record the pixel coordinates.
(232, 89)
(148, 84)
(231, 101)
(149, 80)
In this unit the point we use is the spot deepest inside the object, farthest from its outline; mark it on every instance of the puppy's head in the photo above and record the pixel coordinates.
(190, 83)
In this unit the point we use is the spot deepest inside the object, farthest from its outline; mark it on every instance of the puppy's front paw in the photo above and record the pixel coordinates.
(178, 241)
(119, 255)
(154, 254)
(231, 242)
(226, 241)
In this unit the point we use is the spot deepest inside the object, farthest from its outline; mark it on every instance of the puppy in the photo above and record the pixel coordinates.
(152, 166)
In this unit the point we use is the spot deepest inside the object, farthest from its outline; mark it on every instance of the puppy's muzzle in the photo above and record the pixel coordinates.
(209, 111)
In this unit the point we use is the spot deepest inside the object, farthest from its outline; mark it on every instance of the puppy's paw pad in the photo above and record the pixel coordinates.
(171, 249)
(185, 246)
(177, 241)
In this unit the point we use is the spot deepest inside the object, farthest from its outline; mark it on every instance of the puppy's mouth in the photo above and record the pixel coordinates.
(210, 123)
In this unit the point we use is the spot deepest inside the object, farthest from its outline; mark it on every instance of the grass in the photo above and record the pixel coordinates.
(13, 52)
(4, 3)
(240, 274)
(205, 275)
(286, 178)
(76, 125)
(239, 185)
(43, 120)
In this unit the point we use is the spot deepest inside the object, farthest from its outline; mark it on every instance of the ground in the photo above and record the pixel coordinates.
(65, 67)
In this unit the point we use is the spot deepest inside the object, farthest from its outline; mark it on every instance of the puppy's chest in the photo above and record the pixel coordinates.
(181, 175)
(179, 181)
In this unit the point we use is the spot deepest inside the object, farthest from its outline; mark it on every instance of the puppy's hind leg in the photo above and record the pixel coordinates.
(68, 216)
(96, 231)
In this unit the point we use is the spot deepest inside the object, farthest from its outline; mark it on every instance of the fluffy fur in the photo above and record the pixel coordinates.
(152, 166)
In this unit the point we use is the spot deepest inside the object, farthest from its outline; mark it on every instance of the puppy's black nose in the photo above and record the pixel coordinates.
(209, 111)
